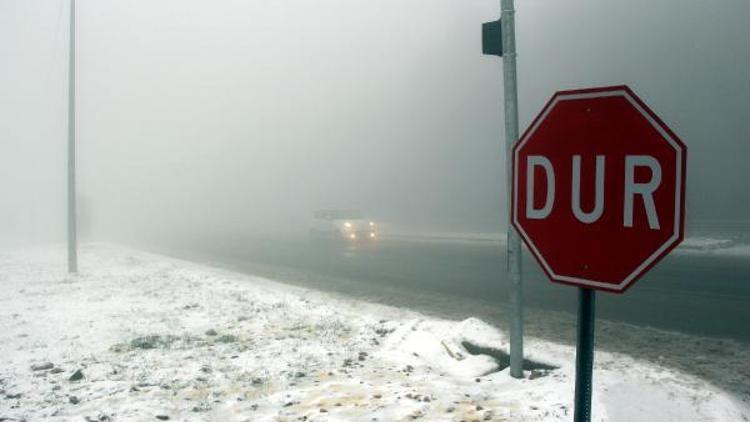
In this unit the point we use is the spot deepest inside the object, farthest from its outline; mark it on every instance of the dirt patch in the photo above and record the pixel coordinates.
(503, 359)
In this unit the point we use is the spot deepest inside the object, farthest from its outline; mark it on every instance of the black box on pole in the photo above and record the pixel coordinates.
(492, 38)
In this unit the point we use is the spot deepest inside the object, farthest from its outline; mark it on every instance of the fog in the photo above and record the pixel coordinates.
(246, 116)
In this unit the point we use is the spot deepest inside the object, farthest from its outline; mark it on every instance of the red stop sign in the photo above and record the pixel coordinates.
(598, 188)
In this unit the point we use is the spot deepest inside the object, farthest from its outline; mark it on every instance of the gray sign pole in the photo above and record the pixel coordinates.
(584, 354)
(72, 240)
(511, 137)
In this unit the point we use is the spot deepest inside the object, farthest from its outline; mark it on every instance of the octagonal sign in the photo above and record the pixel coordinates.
(598, 188)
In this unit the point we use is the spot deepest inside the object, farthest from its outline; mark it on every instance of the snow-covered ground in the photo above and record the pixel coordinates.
(691, 245)
(712, 245)
(137, 336)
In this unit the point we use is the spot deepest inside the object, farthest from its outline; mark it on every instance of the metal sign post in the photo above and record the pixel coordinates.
(584, 354)
(511, 137)
(72, 238)
(499, 39)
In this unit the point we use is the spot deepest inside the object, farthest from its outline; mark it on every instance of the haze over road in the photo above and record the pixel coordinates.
(699, 294)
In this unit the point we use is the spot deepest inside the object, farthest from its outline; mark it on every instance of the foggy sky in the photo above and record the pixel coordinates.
(249, 115)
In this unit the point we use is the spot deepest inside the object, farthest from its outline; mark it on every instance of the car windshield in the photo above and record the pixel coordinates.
(346, 215)
(338, 214)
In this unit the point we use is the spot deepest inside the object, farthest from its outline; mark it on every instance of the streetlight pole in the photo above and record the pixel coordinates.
(72, 232)
(507, 18)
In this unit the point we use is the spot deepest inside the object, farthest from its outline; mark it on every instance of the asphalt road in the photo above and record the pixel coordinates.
(697, 294)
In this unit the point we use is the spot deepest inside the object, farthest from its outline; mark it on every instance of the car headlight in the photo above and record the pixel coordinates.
(352, 236)
(348, 225)
(372, 224)
(372, 235)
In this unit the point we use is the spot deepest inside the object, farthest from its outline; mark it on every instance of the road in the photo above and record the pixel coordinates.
(699, 294)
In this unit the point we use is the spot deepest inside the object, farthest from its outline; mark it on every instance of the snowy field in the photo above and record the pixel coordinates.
(691, 245)
(136, 336)
(710, 245)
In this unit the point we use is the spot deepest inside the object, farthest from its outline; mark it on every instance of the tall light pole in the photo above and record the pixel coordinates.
(72, 235)
(510, 91)
(499, 39)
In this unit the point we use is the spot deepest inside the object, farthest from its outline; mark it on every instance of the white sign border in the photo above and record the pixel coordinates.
(619, 92)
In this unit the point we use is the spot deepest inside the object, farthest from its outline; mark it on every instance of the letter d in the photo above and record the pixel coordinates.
(543, 162)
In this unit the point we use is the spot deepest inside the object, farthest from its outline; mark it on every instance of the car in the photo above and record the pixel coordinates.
(342, 225)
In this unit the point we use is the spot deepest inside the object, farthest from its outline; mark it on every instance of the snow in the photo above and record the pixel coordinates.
(416, 234)
(690, 245)
(705, 243)
(154, 336)
(717, 246)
